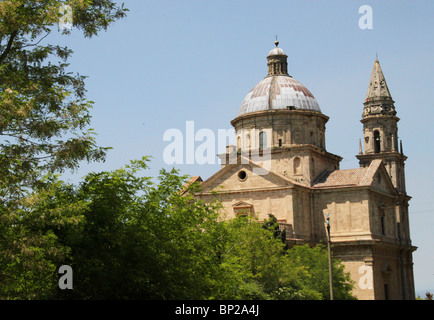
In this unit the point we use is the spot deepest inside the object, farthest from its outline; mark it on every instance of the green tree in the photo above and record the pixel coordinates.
(124, 236)
(143, 240)
(44, 112)
(253, 260)
(127, 237)
(273, 224)
(32, 249)
(260, 266)
(44, 118)
(315, 260)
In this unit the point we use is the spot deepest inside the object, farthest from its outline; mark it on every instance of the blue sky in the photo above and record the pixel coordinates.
(170, 62)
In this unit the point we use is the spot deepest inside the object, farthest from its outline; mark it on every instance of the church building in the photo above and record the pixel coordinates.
(281, 166)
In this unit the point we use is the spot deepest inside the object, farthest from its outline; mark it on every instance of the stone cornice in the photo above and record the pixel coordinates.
(382, 155)
(279, 112)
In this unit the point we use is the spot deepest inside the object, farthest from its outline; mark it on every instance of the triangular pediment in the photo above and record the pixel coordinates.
(381, 180)
(386, 268)
(242, 204)
(244, 175)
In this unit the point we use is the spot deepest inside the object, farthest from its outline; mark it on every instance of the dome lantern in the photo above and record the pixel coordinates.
(277, 61)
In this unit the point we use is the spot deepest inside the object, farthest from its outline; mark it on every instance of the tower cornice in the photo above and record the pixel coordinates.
(379, 116)
(383, 155)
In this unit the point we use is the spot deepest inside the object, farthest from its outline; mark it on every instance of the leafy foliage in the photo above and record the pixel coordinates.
(30, 249)
(142, 240)
(44, 112)
(127, 237)
(266, 269)
(315, 260)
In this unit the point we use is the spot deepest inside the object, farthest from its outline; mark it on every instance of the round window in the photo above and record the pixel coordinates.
(242, 175)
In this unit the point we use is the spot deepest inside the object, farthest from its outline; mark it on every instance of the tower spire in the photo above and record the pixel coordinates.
(378, 89)
(378, 98)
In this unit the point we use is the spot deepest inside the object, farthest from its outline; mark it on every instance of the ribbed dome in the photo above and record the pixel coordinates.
(278, 90)
(276, 51)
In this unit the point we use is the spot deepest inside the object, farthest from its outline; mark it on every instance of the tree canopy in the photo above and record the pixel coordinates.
(127, 237)
(44, 118)
(44, 112)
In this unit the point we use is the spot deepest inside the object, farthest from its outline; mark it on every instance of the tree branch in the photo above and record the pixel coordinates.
(35, 44)
(20, 138)
(9, 46)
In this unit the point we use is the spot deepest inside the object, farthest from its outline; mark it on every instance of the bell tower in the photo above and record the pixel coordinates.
(380, 134)
(380, 129)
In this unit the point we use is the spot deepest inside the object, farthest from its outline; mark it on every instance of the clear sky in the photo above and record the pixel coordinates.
(173, 61)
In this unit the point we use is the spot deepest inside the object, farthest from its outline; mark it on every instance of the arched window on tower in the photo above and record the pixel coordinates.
(377, 148)
(262, 140)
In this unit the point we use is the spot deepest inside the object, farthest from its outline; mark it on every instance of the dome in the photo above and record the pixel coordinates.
(276, 51)
(278, 92)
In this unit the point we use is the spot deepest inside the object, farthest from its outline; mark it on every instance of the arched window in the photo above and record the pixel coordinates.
(297, 165)
(248, 140)
(238, 143)
(377, 148)
(262, 140)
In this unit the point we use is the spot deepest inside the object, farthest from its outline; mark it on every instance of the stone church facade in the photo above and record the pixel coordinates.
(280, 166)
